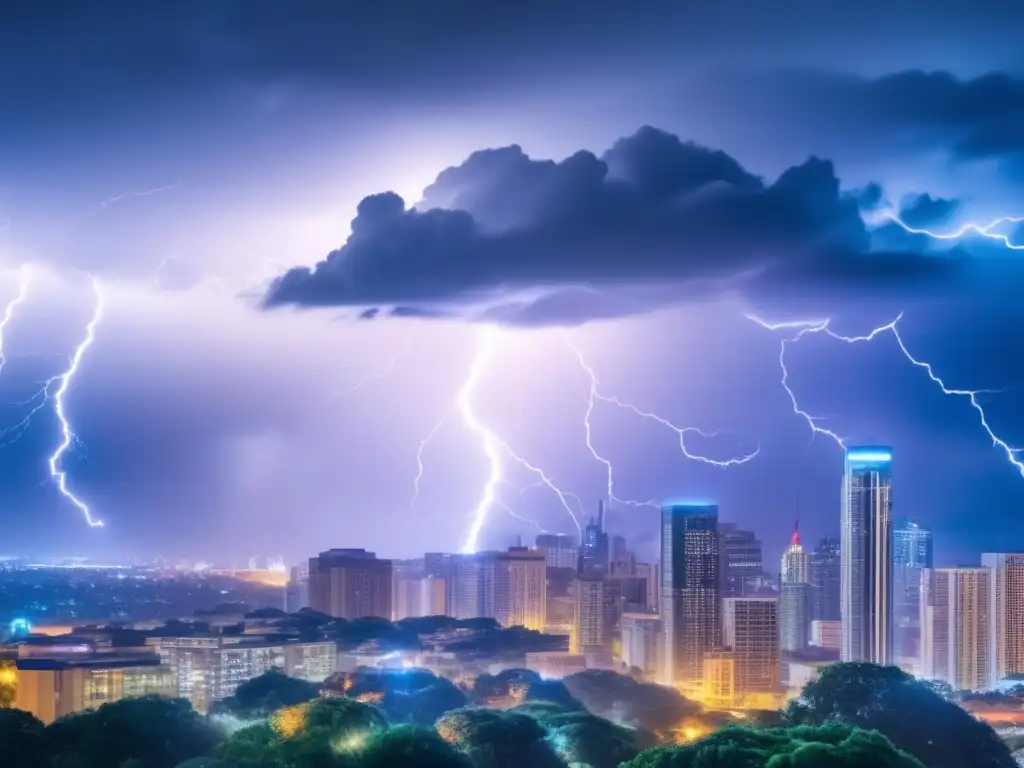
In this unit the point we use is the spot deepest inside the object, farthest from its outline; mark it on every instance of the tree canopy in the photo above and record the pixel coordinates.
(403, 695)
(832, 746)
(267, 693)
(911, 714)
(620, 698)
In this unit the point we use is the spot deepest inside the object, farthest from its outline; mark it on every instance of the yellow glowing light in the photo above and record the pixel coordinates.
(351, 742)
(8, 675)
(290, 721)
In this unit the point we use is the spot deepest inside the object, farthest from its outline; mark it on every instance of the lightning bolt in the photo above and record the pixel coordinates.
(131, 193)
(366, 379)
(807, 327)
(68, 435)
(970, 228)
(681, 432)
(9, 311)
(419, 462)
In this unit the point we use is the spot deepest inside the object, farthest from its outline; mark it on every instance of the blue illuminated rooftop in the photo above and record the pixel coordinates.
(869, 454)
(689, 504)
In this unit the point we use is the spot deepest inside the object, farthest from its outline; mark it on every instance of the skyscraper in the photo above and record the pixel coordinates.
(622, 562)
(794, 597)
(1007, 632)
(350, 584)
(742, 560)
(911, 553)
(520, 588)
(594, 547)
(826, 580)
(866, 556)
(750, 630)
(958, 648)
(691, 591)
(591, 637)
(561, 550)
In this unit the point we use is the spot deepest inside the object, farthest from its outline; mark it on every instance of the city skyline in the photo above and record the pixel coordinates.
(568, 268)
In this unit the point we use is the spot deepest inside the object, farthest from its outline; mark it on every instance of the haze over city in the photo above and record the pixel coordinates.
(229, 407)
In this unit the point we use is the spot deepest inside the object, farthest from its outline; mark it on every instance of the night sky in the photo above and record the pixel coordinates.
(308, 218)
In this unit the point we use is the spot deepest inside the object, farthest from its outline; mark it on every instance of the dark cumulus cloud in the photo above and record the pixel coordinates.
(655, 220)
(970, 118)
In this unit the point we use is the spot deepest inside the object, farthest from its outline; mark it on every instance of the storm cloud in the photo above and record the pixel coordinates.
(658, 219)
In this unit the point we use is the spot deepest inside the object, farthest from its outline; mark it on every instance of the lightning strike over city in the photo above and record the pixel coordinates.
(966, 230)
(68, 437)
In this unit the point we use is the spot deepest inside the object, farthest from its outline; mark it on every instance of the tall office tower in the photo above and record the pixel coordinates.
(959, 649)
(1007, 639)
(794, 597)
(520, 588)
(623, 563)
(911, 553)
(651, 574)
(350, 584)
(470, 586)
(561, 550)
(296, 592)
(594, 548)
(826, 580)
(691, 591)
(436, 564)
(750, 629)
(560, 618)
(591, 637)
(866, 556)
(742, 560)
(642, 641)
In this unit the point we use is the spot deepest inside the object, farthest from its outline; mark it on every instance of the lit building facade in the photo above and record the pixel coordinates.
(296, 593)
(520, 588)
(594, 547)
(719, 679)
(912, 552)
(651, 574)
(350, 584)
(750, 629)
(51, 688)
(642, 642)
(691, 592)
(866, 555)
(826, 580)
(561, 550)
(742, 562)
(959, 609)
(591, 637)
(208, 669)
(794, 597)
(1007, 633)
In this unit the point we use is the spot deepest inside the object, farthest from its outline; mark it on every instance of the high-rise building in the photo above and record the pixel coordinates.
(350, 584)
(471, 585)
(296, 593)
(719, 679)
(651, 574)
(594, 547)
(561, 550)
(560, 616)
(520, 588)
(591, 624)
(1007, 633)
(826, 581)
(958, 647)
(51, 688)
(750, 629)
(742, 560)
(691, 590)
(623, 563)
(794, 597)
(208, 669)
(642, 640)
(866, 556)
(436, 564)
(911, 553)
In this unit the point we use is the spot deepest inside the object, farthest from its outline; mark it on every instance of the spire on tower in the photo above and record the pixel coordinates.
(796, 533)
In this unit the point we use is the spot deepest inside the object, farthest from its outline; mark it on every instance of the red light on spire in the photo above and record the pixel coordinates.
(796, 533)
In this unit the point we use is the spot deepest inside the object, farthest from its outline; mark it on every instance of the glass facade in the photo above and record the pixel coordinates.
(911, 554)
(691, 589)
(866, 555)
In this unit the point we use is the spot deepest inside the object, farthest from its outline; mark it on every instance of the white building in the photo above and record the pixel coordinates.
(959, 613)
(642, 643)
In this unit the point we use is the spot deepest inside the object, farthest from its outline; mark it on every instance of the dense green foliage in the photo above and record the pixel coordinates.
(831, 746)
(265, 694)
(909, 713)
(854, 716)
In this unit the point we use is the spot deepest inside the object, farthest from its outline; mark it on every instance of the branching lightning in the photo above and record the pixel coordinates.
(681, 432)
(806, 327)
(9, 311)
(970, 228)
